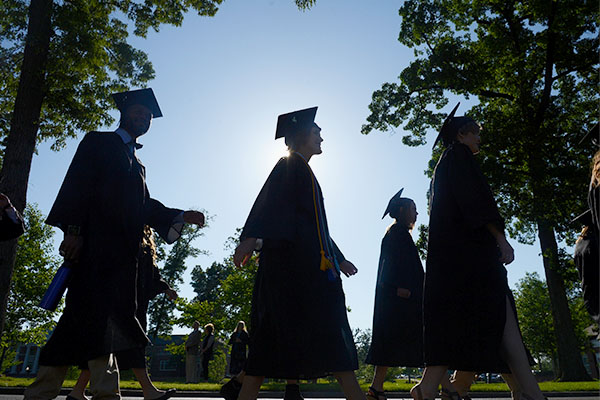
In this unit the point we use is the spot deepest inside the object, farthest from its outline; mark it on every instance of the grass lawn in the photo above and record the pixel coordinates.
(324, 386)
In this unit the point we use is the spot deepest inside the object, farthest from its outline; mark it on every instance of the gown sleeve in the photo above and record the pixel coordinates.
(471, 190)
(273, 214)
(75, 196)
(396, 258)
(11, 226)
(167, 222)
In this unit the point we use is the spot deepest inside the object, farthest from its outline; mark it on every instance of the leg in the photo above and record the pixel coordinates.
(462, 381)
(448, 390)
(78, 390)
(104, 378)
(47, 383)
(250, 387)
(379, 377)
(231, 390)
(349, 384)
(428, 387)
(190, 367)
(292, 390)
(515, 356)
(205, 361)
(513, 385)
(148, 389)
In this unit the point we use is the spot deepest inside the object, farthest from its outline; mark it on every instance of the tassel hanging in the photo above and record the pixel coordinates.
(325, 262)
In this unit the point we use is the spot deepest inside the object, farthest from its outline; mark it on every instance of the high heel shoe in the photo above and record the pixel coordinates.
(373, 394)
(416, 391)
(445, 394)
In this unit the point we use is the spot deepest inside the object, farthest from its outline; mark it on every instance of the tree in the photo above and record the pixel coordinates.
(532, 65)
(34, 269)
(160, 309)
(205, 284)
(535, 317)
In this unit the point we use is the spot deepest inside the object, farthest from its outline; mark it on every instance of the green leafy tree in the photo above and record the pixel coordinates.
(532, 66)
(160, 309)
(35, 267)
(535, 317)
(206, 283)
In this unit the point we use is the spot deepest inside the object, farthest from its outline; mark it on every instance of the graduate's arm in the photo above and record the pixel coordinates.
(11, 222)
(345, 266)
(395, 258)
(168, 222)
(507, 253)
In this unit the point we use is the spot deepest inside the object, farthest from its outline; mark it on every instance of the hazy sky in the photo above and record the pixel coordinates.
(221, 83)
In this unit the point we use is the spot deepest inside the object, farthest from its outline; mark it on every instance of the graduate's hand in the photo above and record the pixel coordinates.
(507, 253)
(402, 292)
(70, 248)
(171, 294)
(194, 217)
(348, 268)
(243, 252)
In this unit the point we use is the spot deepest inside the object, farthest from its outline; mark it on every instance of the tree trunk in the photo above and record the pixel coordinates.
(570, 364)
(20, 142)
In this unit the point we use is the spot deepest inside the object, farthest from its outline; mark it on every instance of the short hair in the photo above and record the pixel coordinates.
(210, 327)
(294, 142)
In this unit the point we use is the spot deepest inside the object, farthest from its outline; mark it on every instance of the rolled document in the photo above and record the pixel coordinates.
(57, 287)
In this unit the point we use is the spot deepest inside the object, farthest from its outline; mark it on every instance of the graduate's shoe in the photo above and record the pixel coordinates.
(292, 392)
(445, 394)
(166, 395)
(231, 390)
(416, 393)
(373, 394)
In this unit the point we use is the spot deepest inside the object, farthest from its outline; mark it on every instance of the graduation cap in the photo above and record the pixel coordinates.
(144, 97)
(584, 219)
(451, 126)
(294, 122)
(394, 201)
(593, 136)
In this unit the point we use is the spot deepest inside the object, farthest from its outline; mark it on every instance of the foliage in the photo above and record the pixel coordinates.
(34, 269)
(89, 58)
(207, 283)
(535, 316)
(421, 242)
(160, 309)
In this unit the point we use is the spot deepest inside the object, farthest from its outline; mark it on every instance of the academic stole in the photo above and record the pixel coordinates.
(329, 261)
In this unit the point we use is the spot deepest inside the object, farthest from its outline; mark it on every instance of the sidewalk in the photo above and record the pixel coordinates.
(315, 395)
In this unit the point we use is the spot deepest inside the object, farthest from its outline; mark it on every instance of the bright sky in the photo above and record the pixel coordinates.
(221, 83)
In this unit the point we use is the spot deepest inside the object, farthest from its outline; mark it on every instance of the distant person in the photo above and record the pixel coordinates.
(397, 338)
(469, 319)
(11, 222)
(191, 354)
(102, 207)
(299, 326)
(587, 248)
(149, 285)
(207, 348)
(239, 346)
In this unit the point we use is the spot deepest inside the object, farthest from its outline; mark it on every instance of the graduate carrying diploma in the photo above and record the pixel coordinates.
(299, 326)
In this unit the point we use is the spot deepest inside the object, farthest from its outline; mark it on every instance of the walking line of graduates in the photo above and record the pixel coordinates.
(460, 315)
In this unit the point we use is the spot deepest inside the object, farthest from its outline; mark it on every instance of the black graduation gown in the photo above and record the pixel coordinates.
(149, 285)
(238, 351)
(10, 229)
(105, 193)
(398, 322)
(465, 284)
(299, 326)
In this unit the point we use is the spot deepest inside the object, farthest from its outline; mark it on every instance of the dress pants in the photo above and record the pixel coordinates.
(104, 380)
(191, 368)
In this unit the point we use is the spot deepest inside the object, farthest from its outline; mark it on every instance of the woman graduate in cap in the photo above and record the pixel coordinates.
(397, 321)
(469, 319)
(299, 328)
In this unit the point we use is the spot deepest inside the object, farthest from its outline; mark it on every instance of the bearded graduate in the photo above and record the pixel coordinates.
(299, 327)
(469, 318)
(397, 321)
